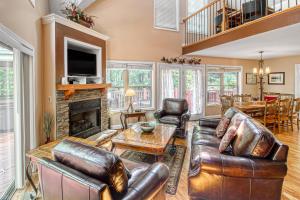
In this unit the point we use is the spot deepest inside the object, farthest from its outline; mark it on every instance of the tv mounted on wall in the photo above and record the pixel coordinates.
(81, 63)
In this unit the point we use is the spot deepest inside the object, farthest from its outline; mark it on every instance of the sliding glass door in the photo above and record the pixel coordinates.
(183, 81)
(7, 132)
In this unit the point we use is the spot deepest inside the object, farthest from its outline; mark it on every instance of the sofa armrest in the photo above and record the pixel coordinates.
(56, 177)
(233, 166)
(159, 114)
(209, 122)
(149, 184)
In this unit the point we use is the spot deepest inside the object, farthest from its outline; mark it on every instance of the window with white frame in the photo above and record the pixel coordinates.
(166, 14)
(134, 75)
(195, 5)
(222, 81)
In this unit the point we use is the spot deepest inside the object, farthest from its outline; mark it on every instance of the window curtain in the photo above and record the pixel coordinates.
(167, 84)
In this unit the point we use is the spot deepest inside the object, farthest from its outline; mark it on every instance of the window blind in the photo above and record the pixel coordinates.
(166, 14)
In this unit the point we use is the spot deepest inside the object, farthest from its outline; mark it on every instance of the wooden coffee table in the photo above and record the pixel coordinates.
(154, 143)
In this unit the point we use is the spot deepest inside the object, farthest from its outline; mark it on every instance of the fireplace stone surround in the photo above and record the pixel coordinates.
(63, 109)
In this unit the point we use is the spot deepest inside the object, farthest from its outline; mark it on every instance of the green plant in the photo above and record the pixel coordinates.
(47, 124)
(74, 13)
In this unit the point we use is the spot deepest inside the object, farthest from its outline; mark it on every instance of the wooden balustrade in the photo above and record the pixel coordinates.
(221, 15)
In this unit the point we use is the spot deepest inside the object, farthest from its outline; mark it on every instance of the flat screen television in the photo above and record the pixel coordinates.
(81, 63)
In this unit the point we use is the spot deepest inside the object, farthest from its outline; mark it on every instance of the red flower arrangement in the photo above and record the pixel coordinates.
(75, 14)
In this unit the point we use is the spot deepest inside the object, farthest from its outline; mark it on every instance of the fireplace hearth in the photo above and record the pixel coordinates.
(84, 118)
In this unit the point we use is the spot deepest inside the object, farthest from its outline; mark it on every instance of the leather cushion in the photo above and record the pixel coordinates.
(170, 119)
(253, 140)
(204, 139)
(237, 119)
(173, 106)
(227, 139)
(222, 127)
(94, 162)
(204, 130)
(231, 112)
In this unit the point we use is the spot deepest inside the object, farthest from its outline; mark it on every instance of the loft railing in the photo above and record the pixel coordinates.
(209, 20)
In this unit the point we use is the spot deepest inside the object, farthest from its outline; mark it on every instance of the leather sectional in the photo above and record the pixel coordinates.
(253, 167)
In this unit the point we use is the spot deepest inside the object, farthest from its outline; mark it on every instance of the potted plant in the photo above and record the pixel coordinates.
(75, 14)
(47, 125)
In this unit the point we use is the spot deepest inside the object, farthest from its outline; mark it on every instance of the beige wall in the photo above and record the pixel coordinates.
(24, 20)
(129, 24)
(287, 65)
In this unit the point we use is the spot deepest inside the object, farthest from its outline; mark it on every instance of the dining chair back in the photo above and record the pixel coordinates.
(237, 98)
(226, 103)
(284, 111)
(269, 114)
(246, 97)
(295, 113)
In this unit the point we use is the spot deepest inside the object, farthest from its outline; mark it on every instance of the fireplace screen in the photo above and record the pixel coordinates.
(84, 118)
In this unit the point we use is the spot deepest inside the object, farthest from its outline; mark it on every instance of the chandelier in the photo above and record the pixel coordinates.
(261, 72)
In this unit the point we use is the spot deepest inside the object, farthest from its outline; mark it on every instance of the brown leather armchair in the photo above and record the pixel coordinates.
(81, 172)
(176, 112)
(252, 168)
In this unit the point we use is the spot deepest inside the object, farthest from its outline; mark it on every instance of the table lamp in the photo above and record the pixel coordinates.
(130, 93)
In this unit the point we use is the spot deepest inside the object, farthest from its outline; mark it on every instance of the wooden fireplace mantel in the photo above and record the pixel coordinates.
(70, 89)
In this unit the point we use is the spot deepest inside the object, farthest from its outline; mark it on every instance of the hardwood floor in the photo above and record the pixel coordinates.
(291, 184)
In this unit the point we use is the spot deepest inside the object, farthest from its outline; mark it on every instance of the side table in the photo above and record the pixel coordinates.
(125, 115)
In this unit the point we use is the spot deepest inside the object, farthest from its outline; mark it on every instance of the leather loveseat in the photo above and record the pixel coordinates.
(253, 167)
(83, 172)
(176, 112)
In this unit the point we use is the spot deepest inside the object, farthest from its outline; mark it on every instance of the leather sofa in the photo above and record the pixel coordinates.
(176, 112)
(253, 167)
(81, 172)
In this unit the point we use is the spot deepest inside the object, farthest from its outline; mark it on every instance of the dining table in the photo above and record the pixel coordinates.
(250, 107)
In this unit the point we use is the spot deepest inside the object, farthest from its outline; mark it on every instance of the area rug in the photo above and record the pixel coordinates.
(174, 162)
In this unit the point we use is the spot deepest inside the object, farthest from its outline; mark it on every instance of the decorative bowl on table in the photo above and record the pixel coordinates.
(147, 127)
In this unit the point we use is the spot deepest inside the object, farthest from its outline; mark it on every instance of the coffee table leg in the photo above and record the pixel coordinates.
(173, 147)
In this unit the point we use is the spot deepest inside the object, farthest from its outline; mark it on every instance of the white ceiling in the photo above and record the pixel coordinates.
(276, 43)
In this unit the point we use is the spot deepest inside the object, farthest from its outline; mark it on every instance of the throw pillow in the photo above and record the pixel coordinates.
(222, 127)
(227, 139)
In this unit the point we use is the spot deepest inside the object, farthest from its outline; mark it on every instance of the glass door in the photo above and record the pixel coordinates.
(193, 89)
(7, 132)
(170, 83)
(183, 81)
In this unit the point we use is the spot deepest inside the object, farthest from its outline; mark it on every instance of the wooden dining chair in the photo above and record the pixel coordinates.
(237, 98)
(269, 114)
(284, 112)
(295, 112)
(246, 97)
(226, 103)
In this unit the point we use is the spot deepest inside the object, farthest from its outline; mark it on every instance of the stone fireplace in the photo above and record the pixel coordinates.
(85, 113)
(84, 118)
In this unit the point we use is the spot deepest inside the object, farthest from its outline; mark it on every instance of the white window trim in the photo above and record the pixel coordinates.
(177, 18)
(152, 107)
(20, 45)
(240, 88)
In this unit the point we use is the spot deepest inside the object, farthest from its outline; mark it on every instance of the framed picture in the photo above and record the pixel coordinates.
(276, 78)
(251, 79)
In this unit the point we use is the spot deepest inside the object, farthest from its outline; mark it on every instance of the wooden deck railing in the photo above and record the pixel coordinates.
(209, 21)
